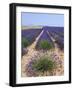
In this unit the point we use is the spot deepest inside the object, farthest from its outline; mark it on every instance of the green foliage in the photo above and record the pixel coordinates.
(44, 64)
(25, 42)
(45, 45)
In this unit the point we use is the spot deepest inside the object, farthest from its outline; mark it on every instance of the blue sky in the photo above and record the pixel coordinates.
(44, 19)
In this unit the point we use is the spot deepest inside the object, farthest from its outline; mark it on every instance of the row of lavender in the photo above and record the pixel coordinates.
(30, 34)
(58, 34)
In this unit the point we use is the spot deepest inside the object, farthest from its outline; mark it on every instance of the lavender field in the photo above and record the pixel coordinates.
(42, 52)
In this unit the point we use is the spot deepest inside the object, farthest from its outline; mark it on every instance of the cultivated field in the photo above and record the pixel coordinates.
(42, 51)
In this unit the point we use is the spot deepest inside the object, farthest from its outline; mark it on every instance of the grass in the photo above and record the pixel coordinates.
(25, 42)
(45, 45)
(44, 64)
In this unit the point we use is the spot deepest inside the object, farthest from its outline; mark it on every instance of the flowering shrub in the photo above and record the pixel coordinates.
(44, 64)
(45, 45)
(25, 42)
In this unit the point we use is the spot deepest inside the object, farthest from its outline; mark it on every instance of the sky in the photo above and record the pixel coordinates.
(43, 19)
